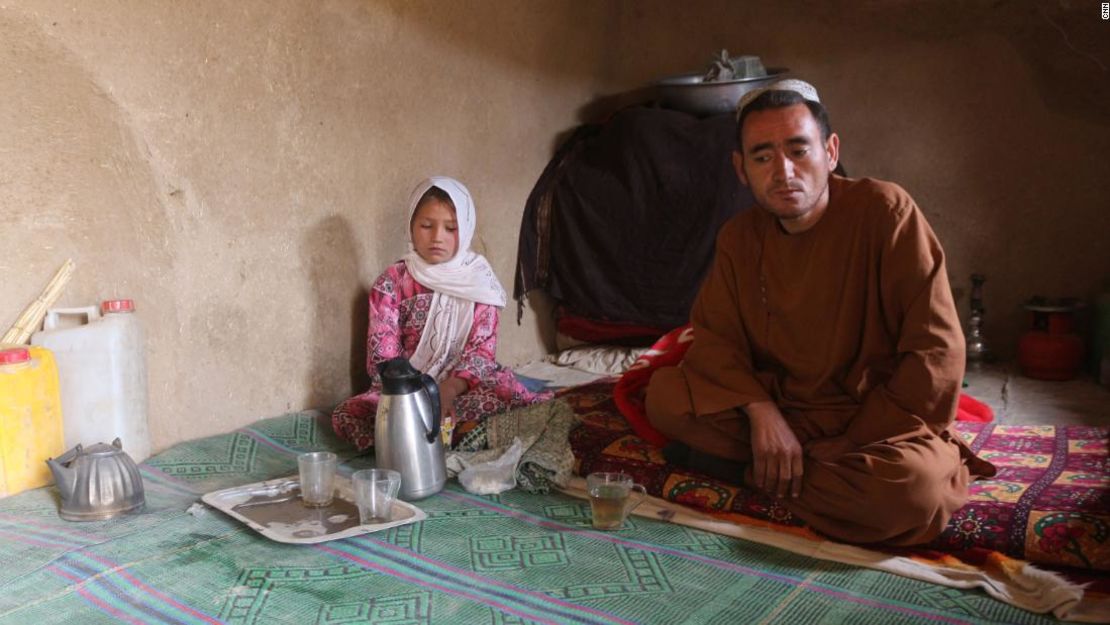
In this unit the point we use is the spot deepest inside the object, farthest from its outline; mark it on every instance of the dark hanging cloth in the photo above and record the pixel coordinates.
(621, 225)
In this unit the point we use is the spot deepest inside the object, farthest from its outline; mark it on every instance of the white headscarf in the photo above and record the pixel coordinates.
(459, 283)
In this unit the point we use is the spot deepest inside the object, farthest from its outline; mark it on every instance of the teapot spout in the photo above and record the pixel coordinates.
(64, 476)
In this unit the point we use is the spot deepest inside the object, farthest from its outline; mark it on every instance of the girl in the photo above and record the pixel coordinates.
(438, 306)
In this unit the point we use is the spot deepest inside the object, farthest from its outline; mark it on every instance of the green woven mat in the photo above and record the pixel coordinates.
(512, 558)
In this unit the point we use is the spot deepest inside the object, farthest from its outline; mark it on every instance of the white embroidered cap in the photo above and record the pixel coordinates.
(800, 87)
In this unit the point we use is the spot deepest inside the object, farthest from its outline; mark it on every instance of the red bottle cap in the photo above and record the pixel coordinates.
(117, 306)
(14, 355)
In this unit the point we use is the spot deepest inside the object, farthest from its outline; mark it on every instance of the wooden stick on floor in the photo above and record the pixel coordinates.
(32, 316)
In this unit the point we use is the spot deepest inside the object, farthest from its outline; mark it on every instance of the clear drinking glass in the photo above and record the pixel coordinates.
(375, 490)
(317, 478)
(611, 500)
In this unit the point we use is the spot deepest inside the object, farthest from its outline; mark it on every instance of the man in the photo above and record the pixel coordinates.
(827, 355)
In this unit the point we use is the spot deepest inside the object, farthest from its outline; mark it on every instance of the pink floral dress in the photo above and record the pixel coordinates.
(398, 312)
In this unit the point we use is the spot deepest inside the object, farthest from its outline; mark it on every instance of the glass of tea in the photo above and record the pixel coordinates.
(317, 471)
(375, 491)
(611, 498)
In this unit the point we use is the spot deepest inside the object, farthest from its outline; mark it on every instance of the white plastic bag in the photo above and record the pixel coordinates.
(494, 476)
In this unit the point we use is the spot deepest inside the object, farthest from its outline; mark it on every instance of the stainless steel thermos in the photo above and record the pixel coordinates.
(406, 430)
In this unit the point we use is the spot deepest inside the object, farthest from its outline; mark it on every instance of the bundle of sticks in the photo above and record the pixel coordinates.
(33, 314)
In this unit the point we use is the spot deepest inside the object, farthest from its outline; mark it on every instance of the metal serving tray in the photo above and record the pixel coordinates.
(273, 508)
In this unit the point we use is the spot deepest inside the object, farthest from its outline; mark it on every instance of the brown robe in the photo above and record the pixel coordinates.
(850, 328)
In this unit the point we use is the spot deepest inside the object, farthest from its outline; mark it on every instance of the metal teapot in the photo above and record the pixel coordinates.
(97, 482)
(406, 429)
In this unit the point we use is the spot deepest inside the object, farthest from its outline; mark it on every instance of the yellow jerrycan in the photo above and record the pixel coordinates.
(30, 417)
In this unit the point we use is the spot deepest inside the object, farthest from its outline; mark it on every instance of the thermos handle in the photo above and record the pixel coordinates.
(433, 394)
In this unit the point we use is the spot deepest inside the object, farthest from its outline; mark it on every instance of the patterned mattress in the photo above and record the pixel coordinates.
(1049, 503)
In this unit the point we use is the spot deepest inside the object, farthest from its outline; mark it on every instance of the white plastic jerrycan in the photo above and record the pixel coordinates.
(101, 373)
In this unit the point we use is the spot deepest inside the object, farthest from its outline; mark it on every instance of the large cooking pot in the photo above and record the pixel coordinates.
(691, 94)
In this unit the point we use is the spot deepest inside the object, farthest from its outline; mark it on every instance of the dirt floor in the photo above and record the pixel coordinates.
(1018, 400)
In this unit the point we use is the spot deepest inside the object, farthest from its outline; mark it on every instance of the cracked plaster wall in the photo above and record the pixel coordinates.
(240, 169)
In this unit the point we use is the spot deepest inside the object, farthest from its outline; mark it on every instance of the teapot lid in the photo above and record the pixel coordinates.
(399, 377)
(102, 449)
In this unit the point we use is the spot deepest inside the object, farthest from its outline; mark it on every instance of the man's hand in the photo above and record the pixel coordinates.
(829, 449)
(776, 454)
